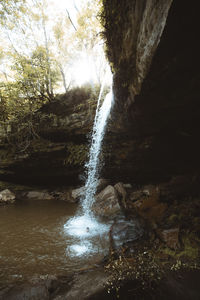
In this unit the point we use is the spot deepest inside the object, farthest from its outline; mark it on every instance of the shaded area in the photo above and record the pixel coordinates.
(159, 131)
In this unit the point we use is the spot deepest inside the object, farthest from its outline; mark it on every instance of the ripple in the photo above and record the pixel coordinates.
(85, 226)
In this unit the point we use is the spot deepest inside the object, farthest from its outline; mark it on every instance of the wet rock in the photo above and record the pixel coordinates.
(29, 292)
(122, 192)
(37, 288)
(171, 237)
(107, 203)
(148, 191)
(145, 198)
(39, 195)
(127, 185)
(79, 192)
(86, 285)
(101, 184)
(124, 231)
(65, 196)
(134, 196)
(147, 204)
(6, 197)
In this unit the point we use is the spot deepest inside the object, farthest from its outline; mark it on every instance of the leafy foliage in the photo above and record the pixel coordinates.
(11, 8)
(36, 55)
(77, 154)
(32, 74)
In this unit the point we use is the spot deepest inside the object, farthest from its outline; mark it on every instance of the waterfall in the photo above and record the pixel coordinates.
(84, 226)
(92, 166)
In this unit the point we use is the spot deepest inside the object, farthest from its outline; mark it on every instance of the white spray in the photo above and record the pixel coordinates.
(95, 150)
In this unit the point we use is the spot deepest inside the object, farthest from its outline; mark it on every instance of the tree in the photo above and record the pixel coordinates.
(32, 75)
(62, 57)
(88, 37)
(11, 9)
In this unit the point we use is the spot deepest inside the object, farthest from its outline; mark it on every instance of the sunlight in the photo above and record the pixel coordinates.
(83, 71)
(68, 32)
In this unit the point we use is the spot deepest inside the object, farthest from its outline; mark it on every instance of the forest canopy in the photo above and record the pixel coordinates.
(46, 48)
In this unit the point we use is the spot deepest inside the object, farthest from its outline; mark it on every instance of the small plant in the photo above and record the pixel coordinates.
(77, 154)
(142, 268)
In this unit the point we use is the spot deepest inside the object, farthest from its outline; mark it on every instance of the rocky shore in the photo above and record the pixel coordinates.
(154, 246)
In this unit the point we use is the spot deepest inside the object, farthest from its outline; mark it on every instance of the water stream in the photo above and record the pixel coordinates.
(84, 226)
(93, 167)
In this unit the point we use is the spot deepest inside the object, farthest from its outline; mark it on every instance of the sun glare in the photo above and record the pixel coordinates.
(83, 71)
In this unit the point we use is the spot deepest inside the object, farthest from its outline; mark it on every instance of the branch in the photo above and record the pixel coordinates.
(71, 20)
(75, 6)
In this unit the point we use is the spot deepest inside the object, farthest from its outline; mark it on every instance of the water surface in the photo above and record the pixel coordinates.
(34, 241)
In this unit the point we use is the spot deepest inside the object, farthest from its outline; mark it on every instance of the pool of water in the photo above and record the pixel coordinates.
(41, 237)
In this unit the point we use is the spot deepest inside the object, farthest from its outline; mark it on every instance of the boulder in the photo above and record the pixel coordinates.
(124, 231)
(65, 196)
(35, 289)
(149, 192)
(79, 192)
(101, 184)
(86, 285)
(39, 195)
(171, 237)
(107, 203)
(127, 185)
(137, 195)
(122, 192)
(7, 197)
(146, 203)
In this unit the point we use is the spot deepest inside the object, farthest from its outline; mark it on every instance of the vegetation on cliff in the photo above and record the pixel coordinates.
(42, 58)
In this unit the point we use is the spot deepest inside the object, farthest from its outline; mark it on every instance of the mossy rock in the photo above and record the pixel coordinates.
(190, 248)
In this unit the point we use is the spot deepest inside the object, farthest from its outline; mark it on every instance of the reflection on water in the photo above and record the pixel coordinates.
(79, 249)
(34, 240)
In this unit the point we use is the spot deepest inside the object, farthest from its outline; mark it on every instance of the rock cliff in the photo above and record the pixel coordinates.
(156, 135)
(59, 149)
(154, 53)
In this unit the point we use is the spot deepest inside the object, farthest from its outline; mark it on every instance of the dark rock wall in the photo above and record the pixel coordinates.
(160, 130)
(132, 30)
(56, 156)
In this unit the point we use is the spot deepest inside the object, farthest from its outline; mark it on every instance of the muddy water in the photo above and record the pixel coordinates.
(33, 241)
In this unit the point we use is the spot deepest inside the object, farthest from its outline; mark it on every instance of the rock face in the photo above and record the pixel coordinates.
(159, 130)
(133, 31)
(58, 154)
(6, 197)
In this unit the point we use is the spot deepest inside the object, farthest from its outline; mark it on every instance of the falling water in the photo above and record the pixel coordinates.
(84, 226)
(95, 149)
